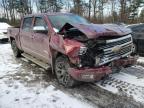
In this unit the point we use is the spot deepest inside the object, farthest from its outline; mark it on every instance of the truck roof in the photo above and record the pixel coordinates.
(49, 13)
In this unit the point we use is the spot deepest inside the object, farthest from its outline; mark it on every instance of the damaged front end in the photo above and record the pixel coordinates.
(85, 59)
(93, 53)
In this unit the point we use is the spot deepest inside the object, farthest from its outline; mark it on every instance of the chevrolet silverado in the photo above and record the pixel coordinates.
(75, 49)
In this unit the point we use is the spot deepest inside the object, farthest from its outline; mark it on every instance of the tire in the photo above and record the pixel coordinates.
(16, 51)
(61, 70)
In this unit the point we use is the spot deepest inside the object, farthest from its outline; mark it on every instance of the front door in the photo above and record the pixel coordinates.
(41, 40)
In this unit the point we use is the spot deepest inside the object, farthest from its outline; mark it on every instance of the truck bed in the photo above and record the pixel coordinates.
(13, 31)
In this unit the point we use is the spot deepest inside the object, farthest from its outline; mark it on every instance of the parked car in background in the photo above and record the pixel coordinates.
(74, 48)
(138, 38)
(3, 31)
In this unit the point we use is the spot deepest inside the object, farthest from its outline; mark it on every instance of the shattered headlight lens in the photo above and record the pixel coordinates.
(82, 50)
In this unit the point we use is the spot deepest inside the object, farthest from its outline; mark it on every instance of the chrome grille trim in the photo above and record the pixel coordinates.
(122, 38)
(109, 49)
(109, 55)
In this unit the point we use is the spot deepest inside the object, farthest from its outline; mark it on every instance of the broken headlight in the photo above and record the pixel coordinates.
(90, 56)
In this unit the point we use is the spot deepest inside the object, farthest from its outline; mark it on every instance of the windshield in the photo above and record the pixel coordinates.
(58, 21)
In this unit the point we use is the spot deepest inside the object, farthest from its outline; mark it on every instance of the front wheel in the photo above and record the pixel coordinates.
(16, 51)
(61, 70)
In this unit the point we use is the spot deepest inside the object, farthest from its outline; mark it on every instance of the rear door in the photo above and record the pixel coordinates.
(26, 34)
(41, 40)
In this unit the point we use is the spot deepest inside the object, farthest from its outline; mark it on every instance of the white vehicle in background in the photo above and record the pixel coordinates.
(3, 31)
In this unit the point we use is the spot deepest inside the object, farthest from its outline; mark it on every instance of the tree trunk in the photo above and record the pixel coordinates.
(89, 9)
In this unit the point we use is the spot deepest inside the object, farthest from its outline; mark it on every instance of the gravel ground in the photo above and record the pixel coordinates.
(108, 93)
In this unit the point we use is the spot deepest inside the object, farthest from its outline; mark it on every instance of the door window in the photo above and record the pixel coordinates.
(27, 24)
(39, 21)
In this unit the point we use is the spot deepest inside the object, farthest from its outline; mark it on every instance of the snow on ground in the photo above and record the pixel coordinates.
(16, 93)
(126, 83)
(7, 61)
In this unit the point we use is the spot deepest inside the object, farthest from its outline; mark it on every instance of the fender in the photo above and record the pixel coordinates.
(68, 47)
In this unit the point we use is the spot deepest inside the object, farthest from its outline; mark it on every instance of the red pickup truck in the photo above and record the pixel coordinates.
(75, 49)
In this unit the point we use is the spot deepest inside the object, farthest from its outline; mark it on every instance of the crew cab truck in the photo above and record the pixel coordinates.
(75, 49)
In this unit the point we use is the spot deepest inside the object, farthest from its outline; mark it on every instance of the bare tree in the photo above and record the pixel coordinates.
(101, 8)
(94, 4)
(89, 9)
(5, 7)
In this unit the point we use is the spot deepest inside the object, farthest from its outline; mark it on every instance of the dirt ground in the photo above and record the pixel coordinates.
(21, 73)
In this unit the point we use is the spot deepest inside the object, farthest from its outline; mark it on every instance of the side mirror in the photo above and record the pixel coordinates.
(40, 29)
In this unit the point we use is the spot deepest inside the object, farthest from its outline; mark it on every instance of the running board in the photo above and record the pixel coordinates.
(38, 62)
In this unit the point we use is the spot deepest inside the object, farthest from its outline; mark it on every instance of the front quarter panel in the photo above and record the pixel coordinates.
(67, 47)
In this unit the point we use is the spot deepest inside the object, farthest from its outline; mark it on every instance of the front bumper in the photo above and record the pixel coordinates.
(89, 74)
(96, 74)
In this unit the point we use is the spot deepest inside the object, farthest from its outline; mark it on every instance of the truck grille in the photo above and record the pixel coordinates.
(123, 51)
(125, 44)
(119, 42)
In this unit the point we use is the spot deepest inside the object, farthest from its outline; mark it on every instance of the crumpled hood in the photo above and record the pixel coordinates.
(96, 30)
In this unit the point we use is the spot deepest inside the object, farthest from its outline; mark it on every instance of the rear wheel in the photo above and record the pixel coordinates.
(61, 70)
(16, 51)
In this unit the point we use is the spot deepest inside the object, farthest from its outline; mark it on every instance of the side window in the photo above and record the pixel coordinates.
(39, 21)
(27, 24)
